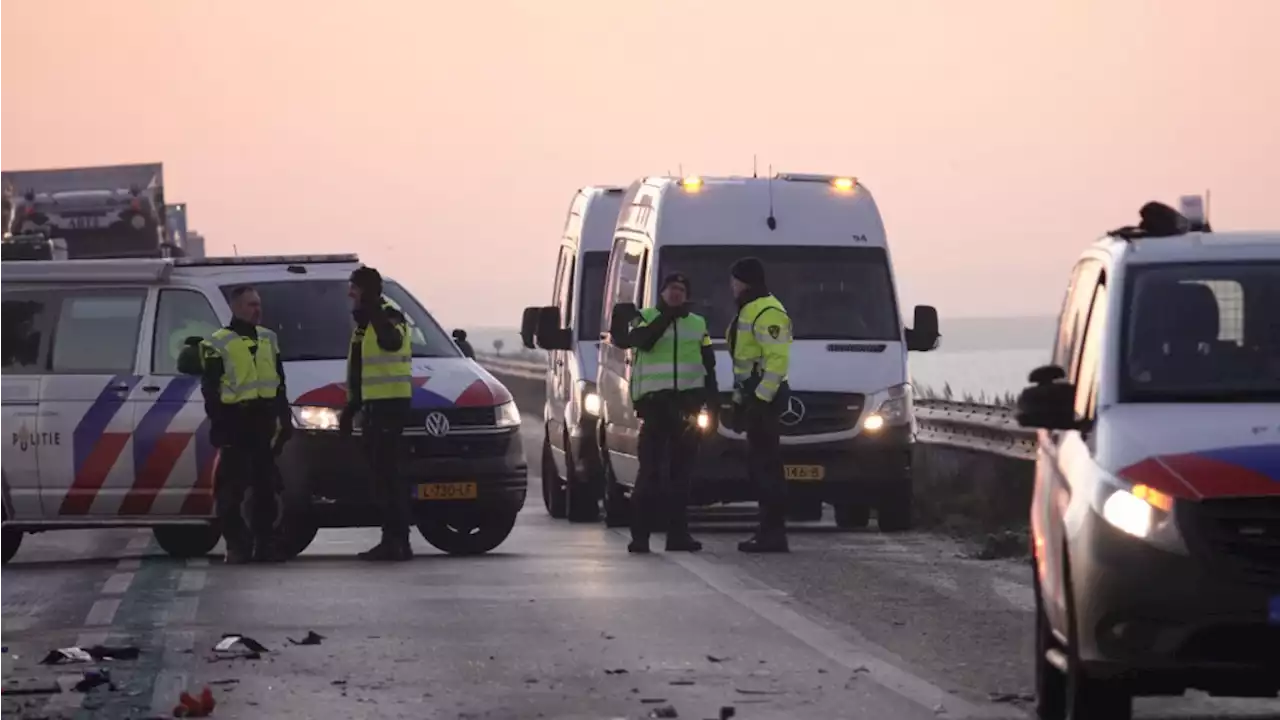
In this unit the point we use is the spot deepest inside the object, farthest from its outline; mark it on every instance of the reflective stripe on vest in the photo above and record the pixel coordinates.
(384, 375)
(675, 361)
(247, 374)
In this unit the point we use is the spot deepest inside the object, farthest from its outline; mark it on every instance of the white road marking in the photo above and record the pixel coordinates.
(139, 543)
(198, 562)
(1015, 593)
(837, 649)
(192, 581)
(182, 610)
(170, 683)
(118, 583)
(103, 612)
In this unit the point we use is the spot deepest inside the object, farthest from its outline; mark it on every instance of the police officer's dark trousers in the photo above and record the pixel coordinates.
(246, 462)
(764, 461)
(383, 431)
(668, 448)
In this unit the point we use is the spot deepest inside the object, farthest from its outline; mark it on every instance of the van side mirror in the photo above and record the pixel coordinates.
(923, 335)
(620, 319)
(529, 327)
(1049, 403)
(550, 335)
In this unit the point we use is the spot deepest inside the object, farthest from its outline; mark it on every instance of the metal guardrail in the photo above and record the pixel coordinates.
(969, 426)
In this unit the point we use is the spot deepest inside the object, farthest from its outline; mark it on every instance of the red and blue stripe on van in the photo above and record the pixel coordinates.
(1238, 471)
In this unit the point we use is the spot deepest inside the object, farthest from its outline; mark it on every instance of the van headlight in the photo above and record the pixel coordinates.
(1141, 511)
(895, 408)
(507, 415)
(704, 420)
(314, 417)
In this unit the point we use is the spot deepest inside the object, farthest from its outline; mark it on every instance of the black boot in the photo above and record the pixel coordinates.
(264, 551)
(682, 542)
(237, 554)
(400, 551)
(766, 541)
(377, 552)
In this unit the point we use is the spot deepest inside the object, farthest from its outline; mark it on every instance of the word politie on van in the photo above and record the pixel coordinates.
(24, 439)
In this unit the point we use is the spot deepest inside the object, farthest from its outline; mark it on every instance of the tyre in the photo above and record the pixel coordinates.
(581, 504)
(553, 491)
(853, 515)
(617, 507)
(12, 540)
(894, 512)
(297, 525)
(1086, 697)
(474, 532)
(1051, 684)
(187, 541)
(807, 511)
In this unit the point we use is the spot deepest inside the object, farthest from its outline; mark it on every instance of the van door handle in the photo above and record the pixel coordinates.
(151, 388)
(119, 387)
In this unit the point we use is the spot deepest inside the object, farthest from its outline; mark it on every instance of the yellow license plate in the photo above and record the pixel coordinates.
(447, 491)
(804, 473)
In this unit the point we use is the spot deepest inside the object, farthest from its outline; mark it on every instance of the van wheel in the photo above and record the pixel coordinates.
(894, 512)
(187, 541)
(297, 525)
(1087, 697)
(12, 540)
(853, 515)
(580, 493)
(474, 531)
(1051, 684)
(617, 507)
(553, 492)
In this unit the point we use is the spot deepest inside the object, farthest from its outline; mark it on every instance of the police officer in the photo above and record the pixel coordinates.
(672, 379)
(242, 381)
(760, 345)
(379, 385)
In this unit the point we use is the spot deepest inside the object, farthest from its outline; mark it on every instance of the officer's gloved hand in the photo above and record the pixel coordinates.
(346, 420)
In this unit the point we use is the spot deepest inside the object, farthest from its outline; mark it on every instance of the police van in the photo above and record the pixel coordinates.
(572, 478)
(1156, 510)
(103, 431)
(847, 430)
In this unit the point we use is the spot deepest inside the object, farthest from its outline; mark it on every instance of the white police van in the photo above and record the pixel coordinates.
(572, 478)
(847, 432)
(102, 430)
(1156, 511)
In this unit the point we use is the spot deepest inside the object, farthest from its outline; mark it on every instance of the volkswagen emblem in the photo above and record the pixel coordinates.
(437, 424)
(794, 412)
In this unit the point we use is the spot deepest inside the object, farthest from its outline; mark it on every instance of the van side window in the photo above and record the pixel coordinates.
(26, 332)
(179, 314)
(1091, 353)
(629, 274)
(1075, 310)
(564, 287)
(97, 331)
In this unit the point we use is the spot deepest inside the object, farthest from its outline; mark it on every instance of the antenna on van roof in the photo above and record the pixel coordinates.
(680, 167)
(1207, 226)
(754, 165)
(771, 221)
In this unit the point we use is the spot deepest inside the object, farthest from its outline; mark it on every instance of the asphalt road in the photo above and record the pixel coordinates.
(558, 623)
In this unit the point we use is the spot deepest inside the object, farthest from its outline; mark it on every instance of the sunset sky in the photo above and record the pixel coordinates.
(443, 140)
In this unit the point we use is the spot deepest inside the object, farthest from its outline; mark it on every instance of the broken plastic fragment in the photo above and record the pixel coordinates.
(312, 638)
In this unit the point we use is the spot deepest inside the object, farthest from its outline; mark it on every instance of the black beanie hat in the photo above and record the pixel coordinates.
(367, 279)
(676, 277)
(749, 270)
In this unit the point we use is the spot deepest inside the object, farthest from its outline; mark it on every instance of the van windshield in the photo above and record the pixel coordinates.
(1202, 333)
(313, 319)
(831, 293)
(595, 266)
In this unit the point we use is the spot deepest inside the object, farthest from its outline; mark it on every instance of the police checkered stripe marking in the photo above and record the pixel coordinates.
(94, 450)
(164, 473)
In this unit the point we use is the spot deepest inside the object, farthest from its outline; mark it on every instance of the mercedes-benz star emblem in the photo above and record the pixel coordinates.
(437, 424)
(794, 412)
